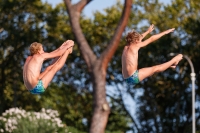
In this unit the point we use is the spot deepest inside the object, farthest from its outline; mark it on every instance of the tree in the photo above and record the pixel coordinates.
(53, 31)
(97, 66)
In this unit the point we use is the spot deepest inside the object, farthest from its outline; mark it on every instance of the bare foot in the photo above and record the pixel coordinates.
(68, 44)
(176, 60)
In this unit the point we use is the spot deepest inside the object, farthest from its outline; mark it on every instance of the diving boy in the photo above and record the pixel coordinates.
(134, 42)
(35, 80)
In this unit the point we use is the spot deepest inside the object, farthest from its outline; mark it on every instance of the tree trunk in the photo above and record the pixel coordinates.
(97, 66)
(101, 108)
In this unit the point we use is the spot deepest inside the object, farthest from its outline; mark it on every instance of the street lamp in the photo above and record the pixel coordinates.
(192, 74)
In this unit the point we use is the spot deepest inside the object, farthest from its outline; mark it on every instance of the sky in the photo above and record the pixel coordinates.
(91, 7)
(94, 5)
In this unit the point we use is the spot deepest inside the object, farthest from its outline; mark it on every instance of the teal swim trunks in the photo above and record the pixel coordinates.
(38, 89)
(134, 79)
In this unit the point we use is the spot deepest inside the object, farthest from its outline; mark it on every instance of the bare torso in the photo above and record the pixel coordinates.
(129, 60)
(31, 70)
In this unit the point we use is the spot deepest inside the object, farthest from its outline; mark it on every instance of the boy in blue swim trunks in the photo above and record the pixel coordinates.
(35, 81)
(134, 42)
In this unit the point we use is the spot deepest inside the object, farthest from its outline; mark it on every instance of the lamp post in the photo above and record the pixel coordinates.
(192, 74)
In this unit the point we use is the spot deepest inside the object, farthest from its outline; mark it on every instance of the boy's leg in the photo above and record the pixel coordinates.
(46, 79)
(49, 67)
(147, 72)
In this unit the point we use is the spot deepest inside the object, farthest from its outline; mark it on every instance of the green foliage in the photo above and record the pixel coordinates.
(74, 105)
(113, 131)
(76, 109)
(19, 121)
(165, 101)
(21, 23)
(74, 130)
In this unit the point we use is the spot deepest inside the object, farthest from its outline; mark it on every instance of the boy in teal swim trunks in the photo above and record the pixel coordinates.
(35, 81)
(134, 41)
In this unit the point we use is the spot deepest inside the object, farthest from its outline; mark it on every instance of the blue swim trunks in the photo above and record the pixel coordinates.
(38, 89)
(134, 79)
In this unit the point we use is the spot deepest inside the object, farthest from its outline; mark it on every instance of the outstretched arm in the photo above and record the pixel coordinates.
(155, 37)
(60, 51)
(150, 29)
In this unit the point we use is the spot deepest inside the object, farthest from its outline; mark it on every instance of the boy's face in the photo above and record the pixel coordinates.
(41, 50)
(140, 39)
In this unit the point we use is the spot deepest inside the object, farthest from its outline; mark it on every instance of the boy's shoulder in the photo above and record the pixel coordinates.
(135, 46)
(38, 57)
(29, 58)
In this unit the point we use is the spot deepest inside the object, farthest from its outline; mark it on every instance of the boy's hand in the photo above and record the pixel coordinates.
(169, 31)
(151, 28)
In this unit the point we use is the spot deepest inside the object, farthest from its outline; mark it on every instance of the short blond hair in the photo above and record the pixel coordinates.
(133, 37)
(34, 48)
